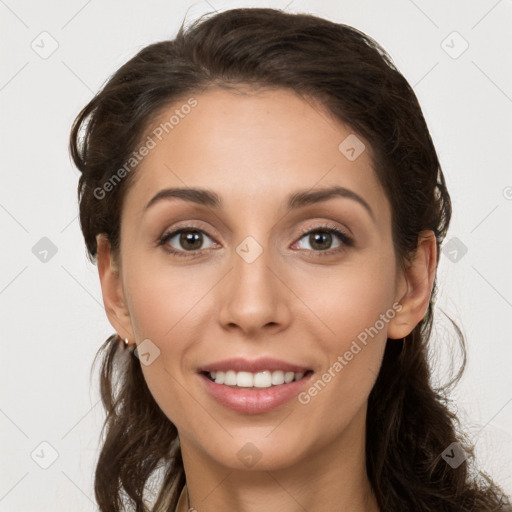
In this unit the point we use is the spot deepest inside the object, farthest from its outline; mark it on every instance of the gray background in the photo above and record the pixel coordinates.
(57, 55)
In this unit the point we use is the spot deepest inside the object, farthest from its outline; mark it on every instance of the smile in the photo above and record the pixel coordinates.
(263, 379)
(253, 386)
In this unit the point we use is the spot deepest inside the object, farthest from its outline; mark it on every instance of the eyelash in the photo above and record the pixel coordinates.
(346, 241)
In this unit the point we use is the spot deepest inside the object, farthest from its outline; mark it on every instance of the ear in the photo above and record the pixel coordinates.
(112, 289)
(415, 287)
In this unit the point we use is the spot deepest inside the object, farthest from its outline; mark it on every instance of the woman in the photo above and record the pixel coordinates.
(279, 361)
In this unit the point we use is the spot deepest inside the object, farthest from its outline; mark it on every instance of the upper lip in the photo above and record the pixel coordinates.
(256, 365)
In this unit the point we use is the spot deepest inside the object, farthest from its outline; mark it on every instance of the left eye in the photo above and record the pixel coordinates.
(321, 239)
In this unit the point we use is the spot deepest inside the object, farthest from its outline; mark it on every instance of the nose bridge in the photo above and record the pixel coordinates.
(254, 296)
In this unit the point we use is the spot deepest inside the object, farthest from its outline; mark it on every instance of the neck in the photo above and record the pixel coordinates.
(332, 477)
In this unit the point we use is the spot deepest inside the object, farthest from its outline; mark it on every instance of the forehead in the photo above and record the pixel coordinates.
(256, 147)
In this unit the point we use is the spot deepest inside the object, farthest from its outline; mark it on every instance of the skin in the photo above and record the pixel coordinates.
(253, 150)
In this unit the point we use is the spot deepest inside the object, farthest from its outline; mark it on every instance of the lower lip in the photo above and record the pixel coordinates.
(254, 400)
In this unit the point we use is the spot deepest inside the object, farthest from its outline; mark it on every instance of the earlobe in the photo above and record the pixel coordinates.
(112, 290)
(419, 277)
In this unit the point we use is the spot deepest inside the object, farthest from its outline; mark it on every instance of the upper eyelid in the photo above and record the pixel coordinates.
(327, 226)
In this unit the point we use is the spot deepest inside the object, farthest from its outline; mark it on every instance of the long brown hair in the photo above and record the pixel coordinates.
(409, 422)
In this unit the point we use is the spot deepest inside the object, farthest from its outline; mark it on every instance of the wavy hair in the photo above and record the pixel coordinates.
(409, 421)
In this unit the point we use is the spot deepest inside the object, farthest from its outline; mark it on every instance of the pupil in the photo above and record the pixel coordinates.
(191, 237)
(318, 238)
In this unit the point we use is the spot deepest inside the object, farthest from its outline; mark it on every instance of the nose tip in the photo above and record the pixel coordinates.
(253, 297)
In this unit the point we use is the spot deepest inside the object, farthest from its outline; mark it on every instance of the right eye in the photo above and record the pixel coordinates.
(190, 239)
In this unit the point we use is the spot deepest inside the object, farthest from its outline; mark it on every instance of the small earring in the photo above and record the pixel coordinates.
(126, 342)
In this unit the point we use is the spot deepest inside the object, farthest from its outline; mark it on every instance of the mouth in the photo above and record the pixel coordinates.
(255, 380)
(253, 387)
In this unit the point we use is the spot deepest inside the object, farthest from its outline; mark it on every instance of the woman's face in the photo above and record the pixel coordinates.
(259, 276)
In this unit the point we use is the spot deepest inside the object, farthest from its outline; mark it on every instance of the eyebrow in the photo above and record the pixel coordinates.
(296, 200)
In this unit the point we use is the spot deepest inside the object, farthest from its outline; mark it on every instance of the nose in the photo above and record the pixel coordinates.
(253, 296)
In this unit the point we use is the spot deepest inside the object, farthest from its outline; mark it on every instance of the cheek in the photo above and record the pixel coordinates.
(164, 304)
(350, 298)
(355, 307)
(160, 298)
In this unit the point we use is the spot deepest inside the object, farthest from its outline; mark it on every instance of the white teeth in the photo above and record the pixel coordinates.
(264, 379)
(277, 378)
(230, 378)
(244, 380)
(288, 377)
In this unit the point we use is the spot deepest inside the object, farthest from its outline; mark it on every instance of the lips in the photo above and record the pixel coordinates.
(254, 366)
(247, 396)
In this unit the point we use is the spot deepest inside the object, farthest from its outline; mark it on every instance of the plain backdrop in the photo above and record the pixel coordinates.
(57, 55)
